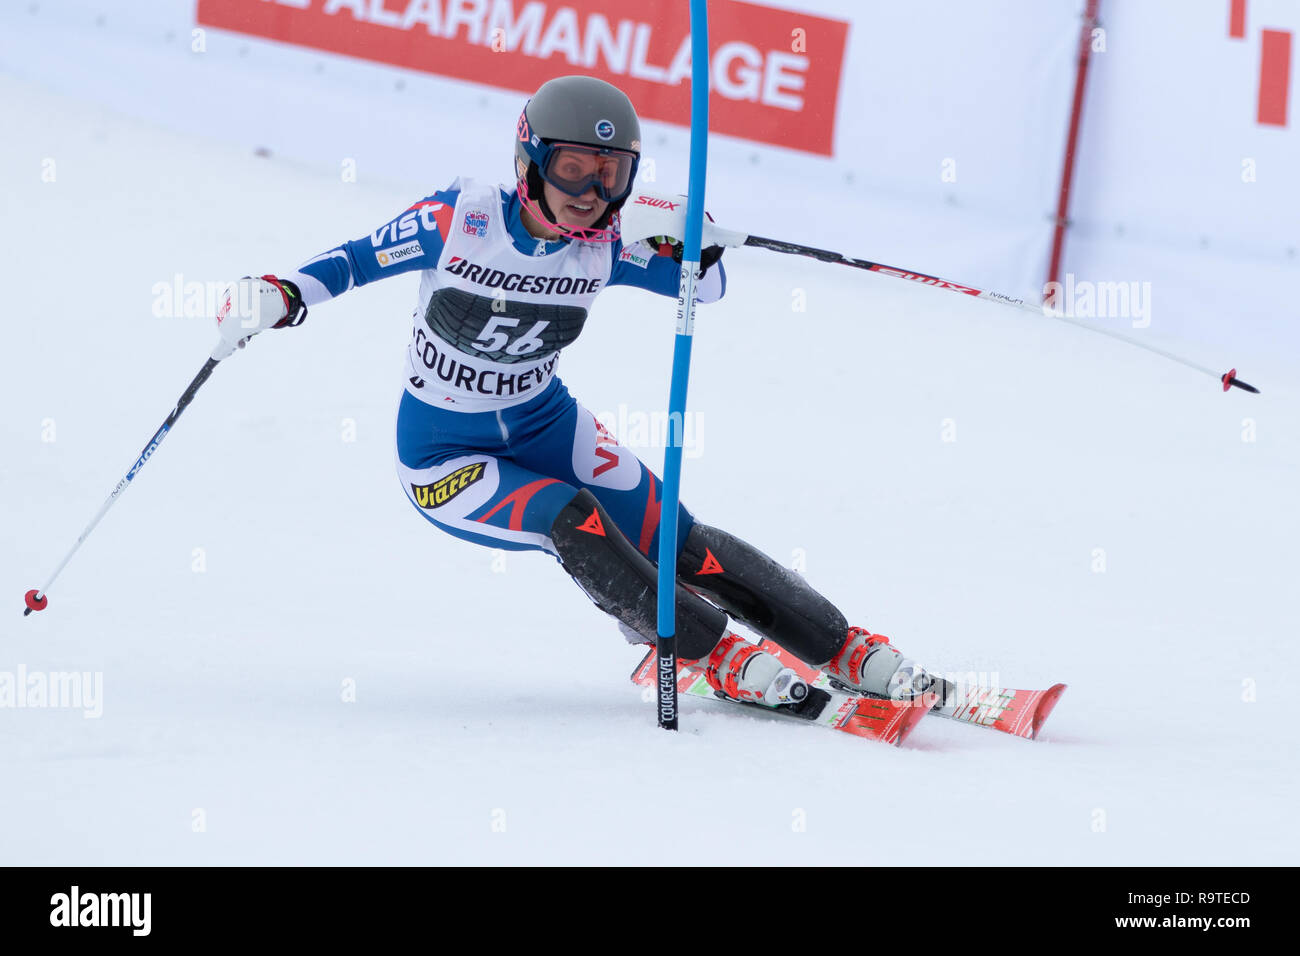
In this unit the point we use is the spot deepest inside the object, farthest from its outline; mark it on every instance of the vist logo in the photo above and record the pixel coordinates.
(476, 224)
(430, 216)
(444, 489)
(390, 257)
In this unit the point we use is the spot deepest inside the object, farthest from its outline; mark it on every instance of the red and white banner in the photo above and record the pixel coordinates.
(775, 74)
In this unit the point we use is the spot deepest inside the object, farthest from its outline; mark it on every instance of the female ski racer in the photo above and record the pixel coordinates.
(492, 448)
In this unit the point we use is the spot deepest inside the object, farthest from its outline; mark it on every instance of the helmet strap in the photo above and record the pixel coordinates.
(537, 188)
(600, 231)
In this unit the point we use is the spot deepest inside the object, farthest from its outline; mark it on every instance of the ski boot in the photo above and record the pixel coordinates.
(868, 664)
(740, 671)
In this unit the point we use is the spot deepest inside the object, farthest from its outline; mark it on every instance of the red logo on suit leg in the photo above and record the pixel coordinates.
(592, 525)
(711, 565)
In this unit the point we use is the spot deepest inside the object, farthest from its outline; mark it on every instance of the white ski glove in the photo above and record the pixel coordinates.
(254, 305)
(649, 216)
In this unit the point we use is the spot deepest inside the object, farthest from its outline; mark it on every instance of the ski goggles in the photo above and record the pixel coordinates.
(573, 169)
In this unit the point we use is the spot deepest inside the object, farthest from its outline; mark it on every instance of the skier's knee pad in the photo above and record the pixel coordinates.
(621, 581)
(751, 587)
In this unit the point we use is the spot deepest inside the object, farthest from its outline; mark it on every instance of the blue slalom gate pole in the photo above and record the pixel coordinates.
(666, 644)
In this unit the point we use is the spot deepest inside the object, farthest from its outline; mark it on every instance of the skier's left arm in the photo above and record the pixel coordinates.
(657, 267)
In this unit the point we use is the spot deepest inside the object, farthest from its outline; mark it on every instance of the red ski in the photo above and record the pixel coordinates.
(873, 718)
(1020, 713)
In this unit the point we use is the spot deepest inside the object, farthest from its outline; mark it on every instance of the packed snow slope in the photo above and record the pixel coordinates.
(296, 668)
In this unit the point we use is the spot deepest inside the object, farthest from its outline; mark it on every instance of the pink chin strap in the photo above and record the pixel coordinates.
(582, 233)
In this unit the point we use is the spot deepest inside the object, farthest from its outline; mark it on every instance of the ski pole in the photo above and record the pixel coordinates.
(1228, 378)
(36, 599)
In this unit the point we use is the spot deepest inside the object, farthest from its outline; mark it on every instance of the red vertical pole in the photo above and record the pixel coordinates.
(1072, 141)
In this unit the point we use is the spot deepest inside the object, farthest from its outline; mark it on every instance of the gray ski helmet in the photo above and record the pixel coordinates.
(574, 109)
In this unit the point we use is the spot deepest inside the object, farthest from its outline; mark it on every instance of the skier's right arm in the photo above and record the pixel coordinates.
(411, 241)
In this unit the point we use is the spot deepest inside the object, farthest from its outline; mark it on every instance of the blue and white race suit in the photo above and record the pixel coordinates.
(490, 444)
